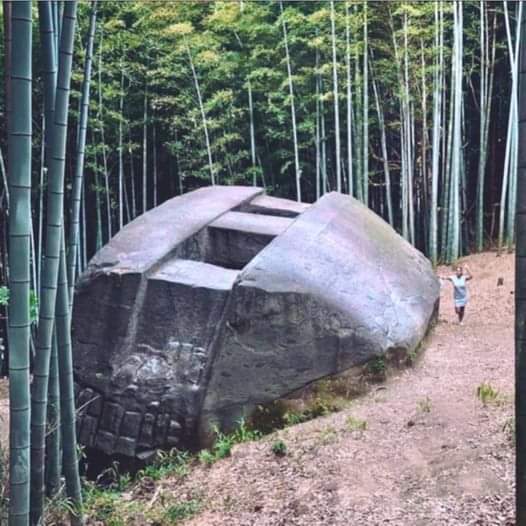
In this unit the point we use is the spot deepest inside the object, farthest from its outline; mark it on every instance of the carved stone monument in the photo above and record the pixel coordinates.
(225, 298)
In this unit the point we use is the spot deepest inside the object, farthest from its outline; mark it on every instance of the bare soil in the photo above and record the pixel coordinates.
(432, 453)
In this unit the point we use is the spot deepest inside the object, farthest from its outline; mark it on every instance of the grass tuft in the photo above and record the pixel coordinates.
(279, 448)
(356, 424)
(424, 405)
(487, 394)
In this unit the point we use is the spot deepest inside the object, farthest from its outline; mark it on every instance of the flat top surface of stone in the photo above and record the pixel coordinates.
(337, 230)
(252, 223)
(149, 238)
(278, 203)
(196, 274)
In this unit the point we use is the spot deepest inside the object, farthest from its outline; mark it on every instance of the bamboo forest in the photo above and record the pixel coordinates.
(223, 223)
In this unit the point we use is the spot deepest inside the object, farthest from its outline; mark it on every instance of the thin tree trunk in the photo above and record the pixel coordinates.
(98, 206)
(53, 449)
(84, 234)
(132, 174)
(385, 160)
(514, 146)
(317, 137)
(365, 146)
(482, 146)
(520, 296)
(252, 134)
(457, 137)
(405, 149)
(154, 160)
(424, 185)
(336, 102)
(448, 156)
(4, 181)
(49, 34)
(323, 142)
(489, 98)
(43, 170)
(203, 116)
(509, 162)
(292, 108)
(121, 162)
(145, 152)
(103, 141)
(349, 99)
(409, 120)
(126, 198)
(49, 59)
(437, 126)
(358, 126)
(5, 184)
(70, 459)
(76, 192)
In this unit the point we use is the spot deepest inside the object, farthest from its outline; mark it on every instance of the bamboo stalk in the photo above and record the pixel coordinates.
(203, 115)
(336, 102)
(19, 173)
(54, 227)
(349, 100)
(365, 150)
(292, 107)
(74, 218)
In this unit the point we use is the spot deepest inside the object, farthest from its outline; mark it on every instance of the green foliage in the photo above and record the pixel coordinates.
(4, 296)
(107, 501)
(269, 417)
(103, 505)
(33, 302)
(244, 433)
(487, 394)
(377, 366)
(319, 406)
(182, 510)
(167, 463)
(424, 405)
(206, 457)
(328, 434)
(223, 443)
(33, 306)
(279, 448)
(411, 357)
(326, 396)
(355, 424)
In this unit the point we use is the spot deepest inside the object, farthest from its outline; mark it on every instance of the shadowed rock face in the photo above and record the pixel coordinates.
(225, 298)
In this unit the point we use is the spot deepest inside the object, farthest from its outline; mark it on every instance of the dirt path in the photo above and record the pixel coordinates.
(432, 454)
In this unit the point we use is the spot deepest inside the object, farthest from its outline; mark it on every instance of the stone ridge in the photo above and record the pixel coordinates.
(252, 223)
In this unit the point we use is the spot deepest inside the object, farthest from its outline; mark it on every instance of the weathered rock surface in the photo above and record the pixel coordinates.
(225, 298)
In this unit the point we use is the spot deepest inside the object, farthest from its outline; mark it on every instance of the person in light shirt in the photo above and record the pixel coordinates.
(460, 290)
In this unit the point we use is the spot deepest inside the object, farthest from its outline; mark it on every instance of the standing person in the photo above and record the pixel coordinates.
(460, 290)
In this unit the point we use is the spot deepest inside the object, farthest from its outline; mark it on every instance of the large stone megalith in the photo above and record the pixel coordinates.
(225, 298)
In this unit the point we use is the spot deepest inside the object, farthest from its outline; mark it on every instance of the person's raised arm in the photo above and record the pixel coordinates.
(469, 274)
